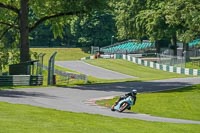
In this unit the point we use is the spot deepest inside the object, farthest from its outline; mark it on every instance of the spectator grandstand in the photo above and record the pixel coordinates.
(131, 46)
(194, 43)
(127, 47)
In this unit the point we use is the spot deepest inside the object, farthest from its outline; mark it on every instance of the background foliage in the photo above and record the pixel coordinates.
(86, 23)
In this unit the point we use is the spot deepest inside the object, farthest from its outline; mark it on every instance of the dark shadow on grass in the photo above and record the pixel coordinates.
(21, 94)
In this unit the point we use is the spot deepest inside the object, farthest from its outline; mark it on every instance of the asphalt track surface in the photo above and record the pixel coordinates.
(91, 70)
(82, 98)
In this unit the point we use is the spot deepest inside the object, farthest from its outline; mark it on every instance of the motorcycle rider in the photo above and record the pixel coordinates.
(133, 94)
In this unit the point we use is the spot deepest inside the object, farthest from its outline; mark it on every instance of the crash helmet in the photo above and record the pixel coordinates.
(134, 92)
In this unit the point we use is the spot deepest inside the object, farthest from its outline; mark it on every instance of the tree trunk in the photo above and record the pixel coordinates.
(24, 31)
(157, 44)
(174, 44)
(186, 51)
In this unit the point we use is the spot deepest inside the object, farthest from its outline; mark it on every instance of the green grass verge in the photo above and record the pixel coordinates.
(62, 53)
(193, 65)
(143, 73)
(181, 103)
(27, 119)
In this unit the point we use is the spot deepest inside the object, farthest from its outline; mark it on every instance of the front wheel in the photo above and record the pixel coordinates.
(112, 108)
(123, 106)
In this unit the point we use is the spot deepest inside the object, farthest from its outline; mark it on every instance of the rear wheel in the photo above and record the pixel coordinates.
(123, 106)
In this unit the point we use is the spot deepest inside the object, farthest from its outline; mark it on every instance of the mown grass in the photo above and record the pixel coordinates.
(27, 119)
(193, 64)
(140, 72)
(143, 73)
(63, 54)
(181, 103)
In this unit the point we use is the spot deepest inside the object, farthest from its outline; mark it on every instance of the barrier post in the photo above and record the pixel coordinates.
(51, 77)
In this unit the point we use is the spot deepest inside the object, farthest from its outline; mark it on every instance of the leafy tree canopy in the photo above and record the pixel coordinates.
(23, 16)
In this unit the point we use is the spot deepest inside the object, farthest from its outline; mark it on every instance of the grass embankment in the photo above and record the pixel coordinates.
(63, 54)
(27, 119)
(181, 103)
(143, 73)
(193, 64)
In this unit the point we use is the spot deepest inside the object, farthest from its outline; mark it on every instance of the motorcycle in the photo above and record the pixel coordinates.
(123, 104)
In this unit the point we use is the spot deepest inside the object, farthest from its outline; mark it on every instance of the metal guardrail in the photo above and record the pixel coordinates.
(178, 61)
(69, 75)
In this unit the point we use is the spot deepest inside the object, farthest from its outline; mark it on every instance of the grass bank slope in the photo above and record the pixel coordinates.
(142, 72)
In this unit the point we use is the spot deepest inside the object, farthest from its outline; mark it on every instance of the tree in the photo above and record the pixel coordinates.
(184, 14)
(95, 29)
(178, 20)
(125, 12)
(25, 15)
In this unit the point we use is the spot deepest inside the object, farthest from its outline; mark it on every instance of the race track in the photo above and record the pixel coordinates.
(82, 98)
(91, 70)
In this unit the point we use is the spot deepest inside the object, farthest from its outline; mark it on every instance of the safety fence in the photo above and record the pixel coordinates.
(169, 60)
(67, 75)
